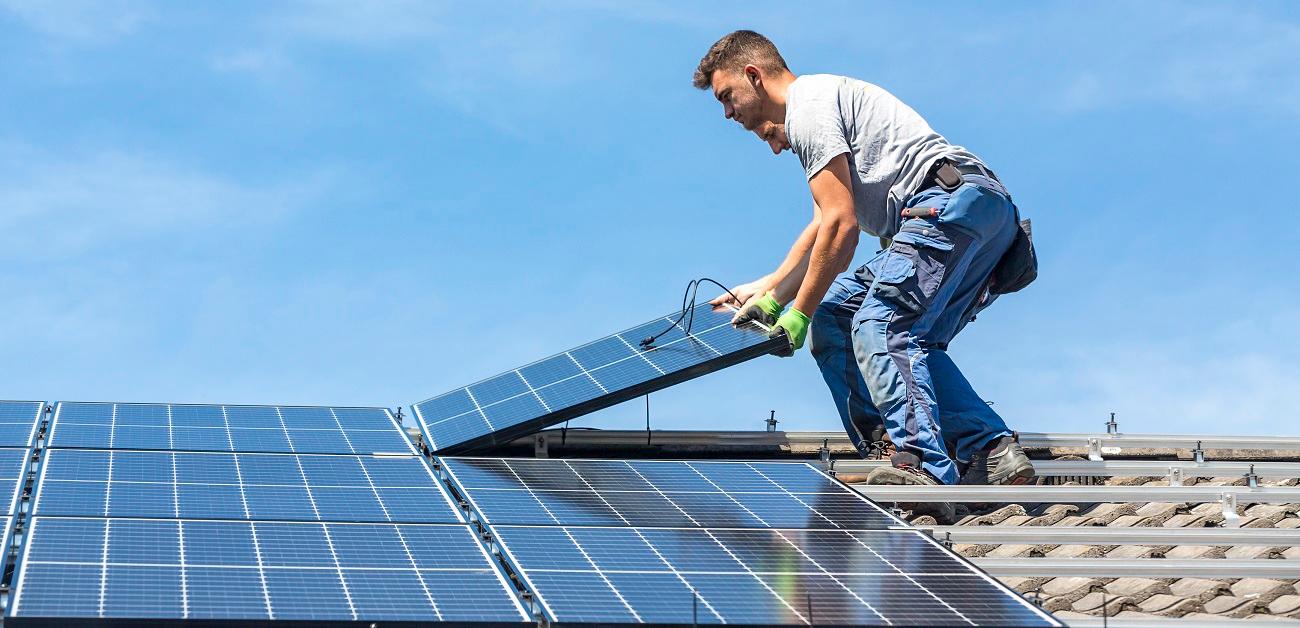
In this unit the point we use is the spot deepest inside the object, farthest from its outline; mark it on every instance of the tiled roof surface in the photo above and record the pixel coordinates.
(1135, 597)
(1145, 599)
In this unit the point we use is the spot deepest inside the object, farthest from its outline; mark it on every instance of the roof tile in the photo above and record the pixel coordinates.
(1092, 603)
(1131, 551)
(1198, 520)
(1231, 606)
(1171, 605)
(1196, 551)
(1077, 551)
(1254, 551)
(1200, 589)
(1138, 589)
(1287, 605)
(1264, 590)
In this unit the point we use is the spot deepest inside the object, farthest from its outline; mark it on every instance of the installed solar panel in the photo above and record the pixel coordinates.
(158, 568)
(660, 493)
(292, 487)
(13, 471)
(596, 375)
(666, 575)
(175, 427)
(684, 541)
(18, 422)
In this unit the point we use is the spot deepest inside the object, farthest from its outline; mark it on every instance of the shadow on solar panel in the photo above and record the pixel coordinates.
(585, 379)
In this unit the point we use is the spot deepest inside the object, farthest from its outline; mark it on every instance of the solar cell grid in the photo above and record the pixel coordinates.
(294, 487)
(90, 567)
(660, 493)
(587, 378)
(871, 577)
(175, 427)
(18, 422)
(13, 470)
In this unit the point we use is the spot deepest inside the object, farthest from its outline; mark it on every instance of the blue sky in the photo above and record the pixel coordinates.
(373, 203)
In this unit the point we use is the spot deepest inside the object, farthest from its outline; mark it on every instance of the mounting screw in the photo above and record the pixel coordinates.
(1111, 426)
(824, 454)
(1252, 480)
(1198, 454)
(771, 421)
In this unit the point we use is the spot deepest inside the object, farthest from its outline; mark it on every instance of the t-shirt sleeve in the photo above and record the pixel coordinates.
(816, 129)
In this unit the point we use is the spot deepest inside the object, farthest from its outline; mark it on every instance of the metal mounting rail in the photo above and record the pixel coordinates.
(1161, 441)
(579, 439)
(1142, 567)
(1080, 494)
(1128, 468)
(1100, 535)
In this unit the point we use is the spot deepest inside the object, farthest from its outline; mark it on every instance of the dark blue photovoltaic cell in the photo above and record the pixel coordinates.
(81, 567)
(18, 421)
(591, 376)
(294, 487)
(13, 465)
(283, 429)
(585, 574)
(661, 493)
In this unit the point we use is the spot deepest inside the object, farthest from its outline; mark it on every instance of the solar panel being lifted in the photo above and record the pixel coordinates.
(594, 376)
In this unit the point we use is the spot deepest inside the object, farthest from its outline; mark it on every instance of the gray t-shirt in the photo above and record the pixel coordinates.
(890, 147)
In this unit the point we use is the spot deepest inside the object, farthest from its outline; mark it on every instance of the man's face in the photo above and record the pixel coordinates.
(745, 101)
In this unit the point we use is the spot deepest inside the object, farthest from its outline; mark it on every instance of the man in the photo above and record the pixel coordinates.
(880, 334)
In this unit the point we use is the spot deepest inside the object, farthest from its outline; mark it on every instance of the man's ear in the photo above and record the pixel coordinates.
(753, 75)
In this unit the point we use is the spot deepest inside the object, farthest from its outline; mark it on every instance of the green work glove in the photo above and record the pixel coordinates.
(764, 309)
(794, 324)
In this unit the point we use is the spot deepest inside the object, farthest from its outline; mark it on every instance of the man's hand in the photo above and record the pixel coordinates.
(761, 308)
(744, 292)
(794, 326)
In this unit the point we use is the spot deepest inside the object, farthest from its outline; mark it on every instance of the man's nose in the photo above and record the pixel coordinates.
(728, 111)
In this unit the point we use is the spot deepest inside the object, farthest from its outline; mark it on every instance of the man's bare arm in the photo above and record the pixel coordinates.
(836, 235)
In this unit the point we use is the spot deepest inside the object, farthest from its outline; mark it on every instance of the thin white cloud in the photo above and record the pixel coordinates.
(55, 205)
(1208, 56)
(79, 21)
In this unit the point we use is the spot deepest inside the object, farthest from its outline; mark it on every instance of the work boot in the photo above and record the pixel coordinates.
(905, 470)
(1004, 462)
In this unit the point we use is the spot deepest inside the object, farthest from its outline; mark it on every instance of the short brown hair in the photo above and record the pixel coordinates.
(736, 50)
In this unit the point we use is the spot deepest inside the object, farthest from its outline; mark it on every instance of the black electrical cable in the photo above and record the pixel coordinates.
(688, 308)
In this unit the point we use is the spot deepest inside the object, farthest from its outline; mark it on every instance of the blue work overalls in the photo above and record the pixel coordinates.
(880, 336)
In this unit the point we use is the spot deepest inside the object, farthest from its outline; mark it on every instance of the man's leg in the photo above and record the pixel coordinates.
(832, 347)
(916, 282)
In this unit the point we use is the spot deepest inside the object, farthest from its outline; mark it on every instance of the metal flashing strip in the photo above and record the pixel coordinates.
(1142, 567)
(837, 440)
(1129, 468)
(1081, 494)
(1100, 535)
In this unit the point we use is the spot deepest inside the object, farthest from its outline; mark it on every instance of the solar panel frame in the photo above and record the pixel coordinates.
(262, 433)
(11, 413)
(382, 491)
(475, 438)
(340, 569)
